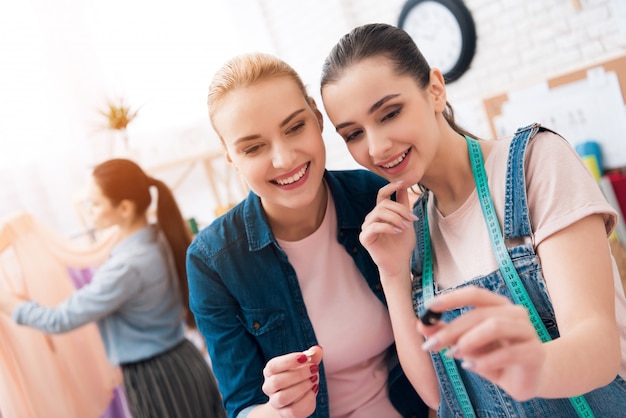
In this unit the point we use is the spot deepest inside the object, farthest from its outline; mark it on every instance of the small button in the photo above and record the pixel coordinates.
(256, 325)
(379, 286)
(355, 250)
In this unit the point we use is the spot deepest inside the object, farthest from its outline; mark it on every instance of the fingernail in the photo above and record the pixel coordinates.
(406, 225)
(302, 358)
(315, 388)
(430, 344)
(452, 351)
(414, 217)
(467, 364)
(314, 369)
(313, 378)
(397, 230)
(309, 354)
(433, 303)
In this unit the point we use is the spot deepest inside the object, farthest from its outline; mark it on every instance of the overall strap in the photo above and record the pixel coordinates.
(516, 218)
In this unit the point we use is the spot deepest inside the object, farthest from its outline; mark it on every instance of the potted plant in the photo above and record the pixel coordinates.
(118, 116)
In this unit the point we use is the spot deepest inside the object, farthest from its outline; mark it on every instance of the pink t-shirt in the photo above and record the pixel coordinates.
(350, 323)
(560, 192)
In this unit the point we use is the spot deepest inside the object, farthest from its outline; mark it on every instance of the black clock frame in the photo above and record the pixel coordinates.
(468, 33)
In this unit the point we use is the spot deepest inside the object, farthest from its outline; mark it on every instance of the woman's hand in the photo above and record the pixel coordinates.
(291, 382)
(495, 340)
(387, 232)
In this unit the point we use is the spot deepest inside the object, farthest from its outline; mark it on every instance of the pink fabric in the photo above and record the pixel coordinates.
(350, 323)
(66, 375)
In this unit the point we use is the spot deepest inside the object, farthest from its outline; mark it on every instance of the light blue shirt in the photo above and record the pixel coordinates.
(133, 297)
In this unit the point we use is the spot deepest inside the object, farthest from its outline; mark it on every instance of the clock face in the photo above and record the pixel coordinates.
(443, 31)
(437, 34)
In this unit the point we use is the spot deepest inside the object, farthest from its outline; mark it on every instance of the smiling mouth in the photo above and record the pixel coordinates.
(397, 161)
(294, 178)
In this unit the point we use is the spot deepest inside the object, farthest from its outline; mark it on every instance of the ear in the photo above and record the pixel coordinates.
(318, 114)
(126, 209)
(437, 90)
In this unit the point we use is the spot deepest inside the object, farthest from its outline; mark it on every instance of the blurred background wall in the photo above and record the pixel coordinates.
(61, 61)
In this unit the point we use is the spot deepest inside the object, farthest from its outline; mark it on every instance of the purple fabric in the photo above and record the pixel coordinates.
(80, 276)
(118, 408)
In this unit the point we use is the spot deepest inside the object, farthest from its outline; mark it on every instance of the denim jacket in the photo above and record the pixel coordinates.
(247, 302)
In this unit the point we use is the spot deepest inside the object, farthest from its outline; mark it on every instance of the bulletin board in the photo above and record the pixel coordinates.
(585, 104)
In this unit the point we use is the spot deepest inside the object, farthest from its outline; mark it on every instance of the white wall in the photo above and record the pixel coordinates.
(58, 60)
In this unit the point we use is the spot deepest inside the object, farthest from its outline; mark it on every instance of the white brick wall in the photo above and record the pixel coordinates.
(519, 42)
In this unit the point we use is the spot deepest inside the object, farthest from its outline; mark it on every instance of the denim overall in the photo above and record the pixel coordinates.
(488, 399)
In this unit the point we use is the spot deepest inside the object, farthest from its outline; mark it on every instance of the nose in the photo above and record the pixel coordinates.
(282, 155)
(378, 144)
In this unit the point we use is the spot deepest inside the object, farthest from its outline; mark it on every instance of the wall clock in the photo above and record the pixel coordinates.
(444, 32)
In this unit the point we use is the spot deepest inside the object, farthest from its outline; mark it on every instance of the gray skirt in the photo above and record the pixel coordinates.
(175, 384)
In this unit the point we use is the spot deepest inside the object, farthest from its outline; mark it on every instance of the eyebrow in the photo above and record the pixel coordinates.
(371, 110)
(282, 124)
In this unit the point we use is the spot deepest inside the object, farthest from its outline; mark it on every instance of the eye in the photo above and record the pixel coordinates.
(295, 128)
(391, 115)
(351, 136)
(253, 149)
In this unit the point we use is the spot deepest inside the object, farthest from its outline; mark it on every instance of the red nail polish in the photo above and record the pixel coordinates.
(315, 388)
(313, 378)
(314, 369)
(302, 358)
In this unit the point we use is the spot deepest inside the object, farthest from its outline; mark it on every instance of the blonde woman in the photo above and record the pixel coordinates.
(288, 300)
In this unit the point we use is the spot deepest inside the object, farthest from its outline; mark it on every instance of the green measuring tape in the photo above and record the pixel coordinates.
(429, 292)
(514, 283)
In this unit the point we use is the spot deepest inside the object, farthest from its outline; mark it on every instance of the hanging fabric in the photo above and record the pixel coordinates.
(66, 375)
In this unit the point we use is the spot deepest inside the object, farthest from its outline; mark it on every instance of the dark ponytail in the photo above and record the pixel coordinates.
(178, 235)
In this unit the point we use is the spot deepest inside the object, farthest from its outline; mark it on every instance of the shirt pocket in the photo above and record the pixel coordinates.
(267, 326)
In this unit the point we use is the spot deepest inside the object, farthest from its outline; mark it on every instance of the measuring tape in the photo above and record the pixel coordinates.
(512, 279)
(429, 292)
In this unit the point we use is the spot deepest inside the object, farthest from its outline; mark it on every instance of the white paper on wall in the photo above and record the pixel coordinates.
(591, 109)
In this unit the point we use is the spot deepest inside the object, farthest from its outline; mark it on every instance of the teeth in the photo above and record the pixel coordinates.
(396, 161)
(293, 178)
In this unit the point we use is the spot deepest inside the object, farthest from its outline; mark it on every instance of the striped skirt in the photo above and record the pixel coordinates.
(175, 384)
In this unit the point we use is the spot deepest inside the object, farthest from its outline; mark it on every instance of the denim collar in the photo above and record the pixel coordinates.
(257, 227)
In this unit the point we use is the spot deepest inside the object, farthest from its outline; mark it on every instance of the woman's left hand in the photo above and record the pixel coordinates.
(495, 339)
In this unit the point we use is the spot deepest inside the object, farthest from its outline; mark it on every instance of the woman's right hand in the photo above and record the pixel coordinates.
(292, 383)
(387, 232)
